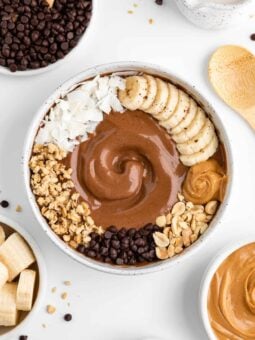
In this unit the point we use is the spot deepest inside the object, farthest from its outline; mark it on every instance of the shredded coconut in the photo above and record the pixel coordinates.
(80, 111)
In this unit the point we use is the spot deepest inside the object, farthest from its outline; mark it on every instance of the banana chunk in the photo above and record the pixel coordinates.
(202, 155)
(8, 310)
(151, 92)
(16, 255)
(2, 235)
(187, 119)
(180, 112)
(161, 98)
(135, 92)
(25, 290)
(193, 129)
(4, 275)
(171, 104)
(198, 142)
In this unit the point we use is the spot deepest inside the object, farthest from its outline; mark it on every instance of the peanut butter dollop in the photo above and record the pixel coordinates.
(231, 298)
(128, 171)
(204, 182)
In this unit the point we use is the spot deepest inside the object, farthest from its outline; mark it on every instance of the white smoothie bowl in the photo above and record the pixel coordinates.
(58, 63)
(123, 68)
(8, 332)
(215, 14)
(207, 278)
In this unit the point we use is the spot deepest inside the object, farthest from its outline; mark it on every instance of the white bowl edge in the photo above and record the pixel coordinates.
(112, 68)
(208, 275)
(42, 277)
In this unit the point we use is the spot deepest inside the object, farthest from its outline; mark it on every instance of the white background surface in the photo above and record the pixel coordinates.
(107, 307)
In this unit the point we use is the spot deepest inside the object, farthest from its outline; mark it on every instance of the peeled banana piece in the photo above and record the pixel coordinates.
(2, 235)
(4, 275)
(16, 255)
(8, 309)
(25, 290)
(133, 96)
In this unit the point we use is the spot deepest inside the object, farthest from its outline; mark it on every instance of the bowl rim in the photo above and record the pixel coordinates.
(83, 40)
(208, 275)
(219, 6)
(124, 66)
(42, 276)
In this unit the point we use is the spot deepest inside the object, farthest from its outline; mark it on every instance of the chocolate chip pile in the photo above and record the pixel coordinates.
(122, 247)
(32, 35)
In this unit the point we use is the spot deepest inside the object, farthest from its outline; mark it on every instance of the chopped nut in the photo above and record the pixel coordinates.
(171, 251)
(161, 253)
(193, 238)
(166, 231)
(178, 250)
(183, 225)
(211, 207)
(161, 221)
(18, 208)
(200, 217)
(168, 218)
(67, 283)
(175, 228)
(160, 239)
(51, 309)
(186, 237)
(197, 209)
(203, 226)
(178, 208)
(64, 295)
(180, 197)
(53, 290)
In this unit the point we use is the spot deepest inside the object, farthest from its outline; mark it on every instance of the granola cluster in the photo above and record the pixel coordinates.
(182, 226)
(51, 183)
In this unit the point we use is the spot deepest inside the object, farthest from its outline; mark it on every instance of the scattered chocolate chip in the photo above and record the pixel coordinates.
(4, 204)
(159, 2)
(252, 36)
(68, 317)
(32, 35)
(23, 337)
(122, 247)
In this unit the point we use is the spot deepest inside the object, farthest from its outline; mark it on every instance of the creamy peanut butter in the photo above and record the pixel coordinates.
(128, 170)
(231, 299)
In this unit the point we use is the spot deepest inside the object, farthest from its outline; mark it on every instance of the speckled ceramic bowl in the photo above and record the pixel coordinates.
(215, 15)
(123, 67)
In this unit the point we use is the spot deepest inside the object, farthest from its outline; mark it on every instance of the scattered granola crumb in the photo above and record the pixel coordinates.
(18, 208)
(151, 21)
(67, 283)
(130, 12)
(64, 295)
(51, 309)
(53, 289)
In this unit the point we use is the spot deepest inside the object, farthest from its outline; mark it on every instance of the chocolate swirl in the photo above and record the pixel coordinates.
(231, 299)
(128, 171)
(205, 181)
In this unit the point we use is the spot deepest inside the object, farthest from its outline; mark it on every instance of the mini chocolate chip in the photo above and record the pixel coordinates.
(4, 204)
(81, 248)
(68, 317)
(119, 261)
(108, 235)
(23, 337)
(252, 36)
(159, 2)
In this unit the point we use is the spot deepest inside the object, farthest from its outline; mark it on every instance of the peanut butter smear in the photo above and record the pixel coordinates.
(231, 299)
(128, 171)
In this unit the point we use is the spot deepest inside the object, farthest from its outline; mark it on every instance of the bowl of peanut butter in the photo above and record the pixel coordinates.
(128, 169)
(228, 293)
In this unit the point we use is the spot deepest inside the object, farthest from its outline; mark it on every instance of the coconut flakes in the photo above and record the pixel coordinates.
(78, 113)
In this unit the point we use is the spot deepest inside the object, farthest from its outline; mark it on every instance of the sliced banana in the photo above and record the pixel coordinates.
(187, 119)
(25, 290)
(193, 129)
(8, 308)
(198, 142)
(179, 113)
(171, 104)
(151, 92)
(135, 92)
(161, 98)
(202, 155)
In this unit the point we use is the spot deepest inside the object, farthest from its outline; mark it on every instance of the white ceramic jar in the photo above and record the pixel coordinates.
(216, 14)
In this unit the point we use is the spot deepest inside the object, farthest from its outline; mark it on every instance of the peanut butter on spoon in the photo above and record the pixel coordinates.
(232, 74)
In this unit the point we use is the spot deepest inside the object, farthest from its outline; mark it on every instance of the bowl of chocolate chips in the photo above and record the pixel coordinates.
(128, 169)
(38, 35)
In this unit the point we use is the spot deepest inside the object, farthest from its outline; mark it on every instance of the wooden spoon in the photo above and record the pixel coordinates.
(232, 74)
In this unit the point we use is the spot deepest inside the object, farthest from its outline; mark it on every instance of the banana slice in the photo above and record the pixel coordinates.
(171, 104)
(3, 275)
(8, 310)
(161, 98)
(16, 255)
(202, 155)
(25, 290)
(151, 92)
(198, 142)
(193, 129)
(187, 119)
(179, 113)
(2, 235)
(135, 92)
